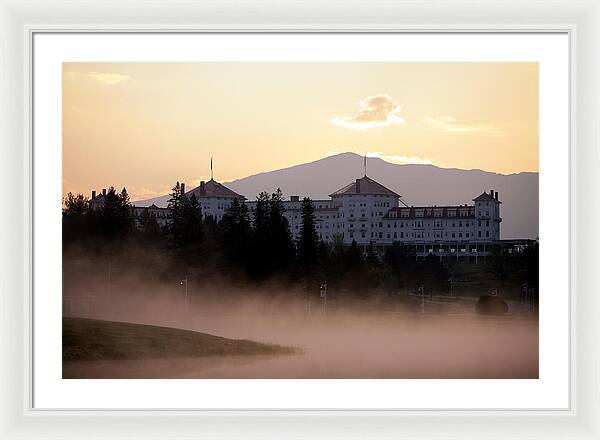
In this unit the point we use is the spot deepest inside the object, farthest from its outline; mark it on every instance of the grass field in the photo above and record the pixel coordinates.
(89, 339)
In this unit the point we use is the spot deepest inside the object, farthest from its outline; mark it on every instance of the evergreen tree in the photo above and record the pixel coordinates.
(271, 237)
(308, 240)
(75, 205)
(281, 244)
(354, 257)
(149, 223)
(174, 219)
(235, 233)
(115, 213)
(77, 221)
(372, 258)
(261, 263)
(190, 220)
(400, 260)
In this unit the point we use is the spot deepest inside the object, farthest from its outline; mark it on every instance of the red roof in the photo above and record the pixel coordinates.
(364, 185)
(213, 188)
(485, 197)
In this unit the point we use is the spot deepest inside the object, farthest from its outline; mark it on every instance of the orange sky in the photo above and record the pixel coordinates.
(147, 125)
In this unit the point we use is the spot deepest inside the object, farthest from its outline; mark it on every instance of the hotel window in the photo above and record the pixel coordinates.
(487, 233)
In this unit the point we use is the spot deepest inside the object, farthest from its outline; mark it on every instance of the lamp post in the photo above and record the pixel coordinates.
(185, 299)
(323, 291)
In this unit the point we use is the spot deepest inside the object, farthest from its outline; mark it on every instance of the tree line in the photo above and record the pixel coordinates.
(255, 246)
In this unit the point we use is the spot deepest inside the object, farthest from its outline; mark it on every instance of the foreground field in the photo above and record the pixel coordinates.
(94, 340)
(340, 346)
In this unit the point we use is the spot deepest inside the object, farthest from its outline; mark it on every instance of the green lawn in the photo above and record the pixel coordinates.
(90, 339)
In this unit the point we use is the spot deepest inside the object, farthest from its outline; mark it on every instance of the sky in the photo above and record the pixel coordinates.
(147, 125)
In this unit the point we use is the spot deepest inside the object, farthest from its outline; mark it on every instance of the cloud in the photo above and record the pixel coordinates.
(148, 192)
(452, 125)
(393, 158)
(400, 159)
(376, 111)
(110, 78)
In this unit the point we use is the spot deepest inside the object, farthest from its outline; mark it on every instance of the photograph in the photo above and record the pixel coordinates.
(300, 220)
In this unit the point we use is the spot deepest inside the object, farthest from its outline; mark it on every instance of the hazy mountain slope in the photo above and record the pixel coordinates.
(418, 184)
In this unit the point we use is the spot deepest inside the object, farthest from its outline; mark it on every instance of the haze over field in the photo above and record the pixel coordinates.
(418, 184)
(349, 343)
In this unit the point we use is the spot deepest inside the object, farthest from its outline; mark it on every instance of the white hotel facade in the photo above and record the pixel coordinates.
(372, 215)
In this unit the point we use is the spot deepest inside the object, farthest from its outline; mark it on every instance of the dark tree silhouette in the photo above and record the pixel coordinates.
(115, 214)
(235, 232)
(308, 240)
(261, 231)
(175, 216)
(149, 224)
(191, 221)
(75, 205)
(280, 244)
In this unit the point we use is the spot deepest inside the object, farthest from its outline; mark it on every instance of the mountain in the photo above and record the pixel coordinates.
(418, 185)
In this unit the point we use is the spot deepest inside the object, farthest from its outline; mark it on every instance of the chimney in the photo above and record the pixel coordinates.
(492, 192)
(357, 185)
(496, 195)
(103, 191)
(93, 194)
(202, 189)
(182, 188)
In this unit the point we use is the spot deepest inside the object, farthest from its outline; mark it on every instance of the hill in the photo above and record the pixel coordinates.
(90, 339)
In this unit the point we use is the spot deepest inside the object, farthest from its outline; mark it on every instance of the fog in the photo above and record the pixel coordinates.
(372, 338)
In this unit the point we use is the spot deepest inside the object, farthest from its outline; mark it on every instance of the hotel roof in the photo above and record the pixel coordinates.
(485, 197)
(212, 188)
(364, 185)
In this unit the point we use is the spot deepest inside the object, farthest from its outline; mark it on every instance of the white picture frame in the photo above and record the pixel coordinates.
(18, 22)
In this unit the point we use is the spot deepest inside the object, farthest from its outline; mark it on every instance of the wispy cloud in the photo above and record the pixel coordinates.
(110, 78)
(393, 158)
(148, 192)
(453, 125)
(376, 111)
(399, 159)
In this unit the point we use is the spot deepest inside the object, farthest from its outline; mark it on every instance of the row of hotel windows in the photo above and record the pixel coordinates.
(422, 213)
(416, 224)
(364, 205)
(420, 235)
